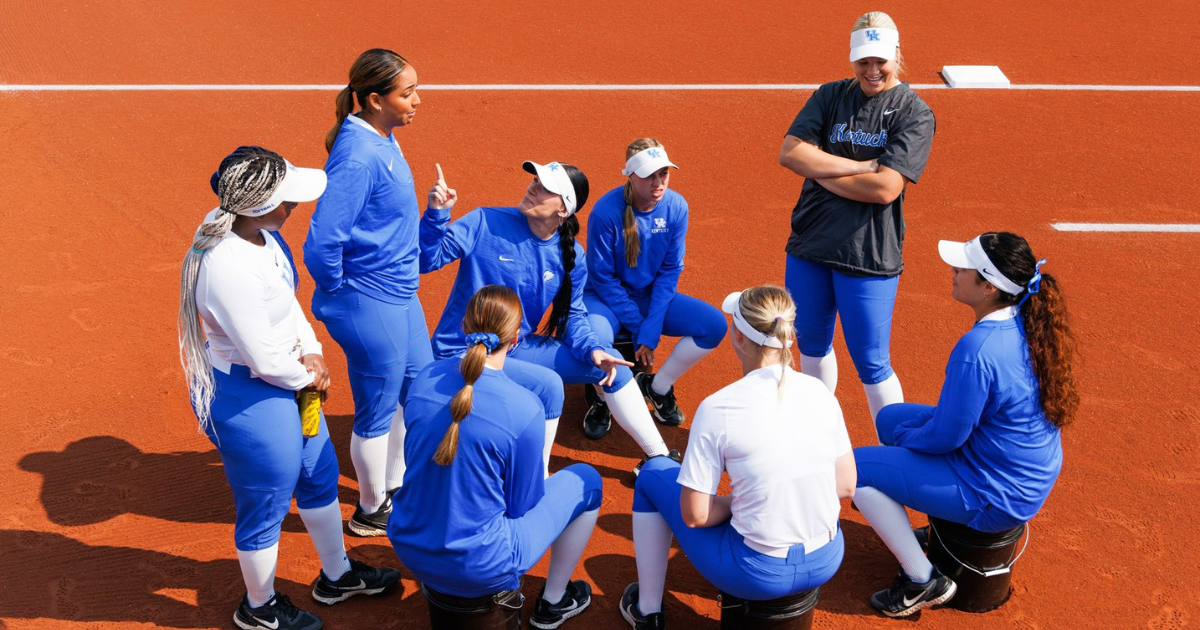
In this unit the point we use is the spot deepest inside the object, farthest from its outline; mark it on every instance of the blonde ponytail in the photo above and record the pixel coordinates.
(771, 311)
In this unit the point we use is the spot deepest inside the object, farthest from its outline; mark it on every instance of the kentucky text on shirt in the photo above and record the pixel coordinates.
(860, 137)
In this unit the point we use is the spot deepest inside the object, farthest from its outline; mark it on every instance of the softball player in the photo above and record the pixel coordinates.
(636, 242)
(362, 253)
(532, 249)
(474, 513)
(857, 142)
(990, 451)
(237, 291)
(780, 436)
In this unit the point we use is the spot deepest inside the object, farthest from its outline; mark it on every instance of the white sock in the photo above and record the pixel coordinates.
(258, 571)
(651, 550)
(628, 408)
(324, 525)
(685, 355)
(551, 431)
(370, 465)
(823, 369)
(881, 395)
(565, 554)
(890, 521)
(395, 454)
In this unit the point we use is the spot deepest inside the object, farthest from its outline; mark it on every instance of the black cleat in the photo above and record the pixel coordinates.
(906, 597)
(666, 409)
(673, 454)
(597, 422)
(366, 525)
(279, 613)
(548, 616)
(629, 610)
(922, 535)
(361, 579)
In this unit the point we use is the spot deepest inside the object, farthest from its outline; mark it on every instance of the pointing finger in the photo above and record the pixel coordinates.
(441, 177)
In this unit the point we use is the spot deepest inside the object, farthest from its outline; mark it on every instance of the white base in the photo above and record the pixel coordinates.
(975, 77)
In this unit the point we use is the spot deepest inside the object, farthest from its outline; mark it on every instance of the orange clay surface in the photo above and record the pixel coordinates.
(116, 512)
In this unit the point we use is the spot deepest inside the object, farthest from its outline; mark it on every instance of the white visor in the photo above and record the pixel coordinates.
(874, 42)
(555, 179)
(970, 255)
(646, 163)
(298, 185)
(733, 306)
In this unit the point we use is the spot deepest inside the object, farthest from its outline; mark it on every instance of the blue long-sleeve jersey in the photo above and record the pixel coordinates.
(363, 233)
(662, 232)
(497, 247)
(451, 524)
(990, 425)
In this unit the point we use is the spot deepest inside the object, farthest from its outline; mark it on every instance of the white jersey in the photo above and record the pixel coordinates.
(780, 449)
(246, 299)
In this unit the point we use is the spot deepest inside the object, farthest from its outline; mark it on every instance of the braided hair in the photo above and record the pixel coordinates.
(556, 326)
(246, 179)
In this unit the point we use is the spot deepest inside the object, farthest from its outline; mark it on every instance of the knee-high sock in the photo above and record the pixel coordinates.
(258, 571)
(882, 394)
(395, 454)
(823, 369)
(890, 521)
(324, 525)
(628, 408)
(651, 550)
(551, 431)
(370, 464)
(565, 554)
(685, 355)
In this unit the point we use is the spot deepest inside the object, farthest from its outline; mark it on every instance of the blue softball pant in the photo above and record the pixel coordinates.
(864, 304)
(926, 483)
(256, 429)
(686, 317)
(542, 365)
(386, 346)
(719, 552)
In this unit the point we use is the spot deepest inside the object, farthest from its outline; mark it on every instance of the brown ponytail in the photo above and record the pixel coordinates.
(1047, 326)
(493, 309)
(374, 72)
(633, 245)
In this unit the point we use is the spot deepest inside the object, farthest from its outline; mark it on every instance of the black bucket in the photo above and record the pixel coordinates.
(624, 344)
(980, 563)
(793, 612)
(501, 611)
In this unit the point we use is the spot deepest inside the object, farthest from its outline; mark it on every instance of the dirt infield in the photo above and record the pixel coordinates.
(117, 512)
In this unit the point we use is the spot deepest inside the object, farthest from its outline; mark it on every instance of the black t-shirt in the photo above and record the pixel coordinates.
(896, 127)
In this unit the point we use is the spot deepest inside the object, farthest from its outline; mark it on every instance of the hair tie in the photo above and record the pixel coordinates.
(777, 318)
(224, 209)
(491, 341)
(198, 251)
(1035, 283)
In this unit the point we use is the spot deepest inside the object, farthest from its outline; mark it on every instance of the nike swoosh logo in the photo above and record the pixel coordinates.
(888, 112)
(506, 259)
(909, 602)
(273, 625)
(390, 162)
(361, 585)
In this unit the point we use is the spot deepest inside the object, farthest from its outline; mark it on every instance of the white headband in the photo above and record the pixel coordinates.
(970, 255)
(874, 42)
(298, 185)
(645, 163)
(554, 178)
(733, 306)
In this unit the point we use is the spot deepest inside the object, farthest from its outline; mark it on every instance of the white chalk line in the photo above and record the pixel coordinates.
(1126, 227)
(657, 87)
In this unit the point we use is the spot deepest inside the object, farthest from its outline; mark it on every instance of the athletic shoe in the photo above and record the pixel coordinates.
(629, 610)
(361, 579)
(922, 534)
(906, 597)
(673, 454)
(597, 422)
(666, 409)
(279, 613)
(548, 616)
(374, 524)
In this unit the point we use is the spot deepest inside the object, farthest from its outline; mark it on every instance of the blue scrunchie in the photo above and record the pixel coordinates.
(491, 341)
(1035, 283)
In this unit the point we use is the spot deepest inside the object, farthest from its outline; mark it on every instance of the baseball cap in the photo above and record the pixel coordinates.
(970, 255)
(298, 185)
(874, 42)
(555, 179)
(733, 306)
(644, 163)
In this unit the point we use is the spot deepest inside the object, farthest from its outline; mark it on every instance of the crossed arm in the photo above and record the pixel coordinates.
(867, 181)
